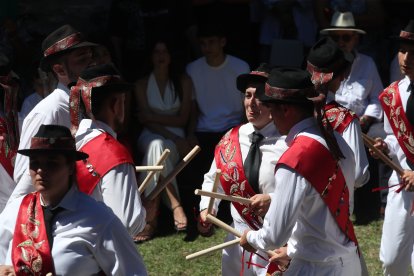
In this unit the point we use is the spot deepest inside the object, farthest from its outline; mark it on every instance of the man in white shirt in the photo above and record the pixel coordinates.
(271, 147)
(397, 241)
(309, 208)
(327, 63)
(108, 174)
(359, 92)
(217, 105)
(66, 54)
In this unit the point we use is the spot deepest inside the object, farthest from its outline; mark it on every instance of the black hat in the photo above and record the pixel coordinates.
(326, 59)
(287, 85)
(97, 79)
(60, 41)
(407, 35)
(259, 75)
(53, 139)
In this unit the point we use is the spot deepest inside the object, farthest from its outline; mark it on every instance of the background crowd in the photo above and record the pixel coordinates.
(158, 43)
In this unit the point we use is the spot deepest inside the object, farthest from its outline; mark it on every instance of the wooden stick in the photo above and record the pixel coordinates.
(148, 168)
(147, 179)
(214, 189)
(212, 249)
(381, 155)
(174, 173)
(370, 139)
(238, 199)
(229, 229)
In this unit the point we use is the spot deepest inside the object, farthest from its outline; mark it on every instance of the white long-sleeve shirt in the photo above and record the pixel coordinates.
(117, 188)
(359, 92)
(271, 147)
(87, 238)
(54, 109)
(352, 134)
(298, 215)
(396, 151)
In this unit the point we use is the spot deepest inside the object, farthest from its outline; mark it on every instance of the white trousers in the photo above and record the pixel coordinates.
(231, 261)
(343, 266)
(397, 241)
(153, 145)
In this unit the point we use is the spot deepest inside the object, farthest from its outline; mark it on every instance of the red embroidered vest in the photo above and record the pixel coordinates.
(315, 163)
(391, 103)
(105, 152)
(233, 180)
(31, 254)
(7, 152)
(339, 116)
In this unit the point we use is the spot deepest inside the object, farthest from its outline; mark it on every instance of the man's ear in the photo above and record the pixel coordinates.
(59, 69)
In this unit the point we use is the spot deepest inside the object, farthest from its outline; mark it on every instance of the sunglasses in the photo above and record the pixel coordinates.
(344, 38)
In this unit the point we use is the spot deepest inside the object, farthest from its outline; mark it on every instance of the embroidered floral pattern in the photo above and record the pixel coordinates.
(403, 131)
(234, 181)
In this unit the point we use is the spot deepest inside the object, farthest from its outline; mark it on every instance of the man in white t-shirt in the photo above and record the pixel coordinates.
(218, 103)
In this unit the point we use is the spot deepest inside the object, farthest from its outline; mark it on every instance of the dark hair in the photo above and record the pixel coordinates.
(175, 68)
(100, 97)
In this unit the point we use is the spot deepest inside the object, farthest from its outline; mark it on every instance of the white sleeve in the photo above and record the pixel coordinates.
(353, 136)
(283, 211)
(391, 140)
(374, 108)
(120, 193)
(115, 252)
(208, 186)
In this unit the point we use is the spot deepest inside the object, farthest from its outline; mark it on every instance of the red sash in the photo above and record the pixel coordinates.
(316, 164)
(233, 180)
(31, 251)
(391, 103)
(339, 116)
(105, 152)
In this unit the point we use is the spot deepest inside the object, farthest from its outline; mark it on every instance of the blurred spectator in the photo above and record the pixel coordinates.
(164, 102)
(217, 105)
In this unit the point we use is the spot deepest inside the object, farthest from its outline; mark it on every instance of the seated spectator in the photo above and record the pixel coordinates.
(69, 232)
(163, 99)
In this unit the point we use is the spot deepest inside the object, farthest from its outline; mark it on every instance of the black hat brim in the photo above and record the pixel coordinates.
(244, 80)
(78, 155)
(261, 96)
(44, 62)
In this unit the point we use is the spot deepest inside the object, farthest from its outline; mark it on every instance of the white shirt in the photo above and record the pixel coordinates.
(352, 134)
(359, 92)
(298, 215)
(271, 147)
(28, 104)
(54, 109)
(117, 188)
(87, 238)
(396, 151)
(219, 101)
(6, 187)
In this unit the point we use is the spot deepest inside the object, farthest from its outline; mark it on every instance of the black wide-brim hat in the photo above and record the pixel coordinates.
(406, 35)
(61, 41)
(287, 85)
(326, 59)
(53, 139)
(259, 75)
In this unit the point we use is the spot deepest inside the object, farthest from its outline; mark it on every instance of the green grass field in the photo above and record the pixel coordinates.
(165, 255)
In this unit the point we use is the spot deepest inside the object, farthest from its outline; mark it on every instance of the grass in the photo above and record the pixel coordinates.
(165, 255)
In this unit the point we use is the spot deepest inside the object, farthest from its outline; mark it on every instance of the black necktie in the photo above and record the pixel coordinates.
(252, 162)
(409, 110)
(48, 215)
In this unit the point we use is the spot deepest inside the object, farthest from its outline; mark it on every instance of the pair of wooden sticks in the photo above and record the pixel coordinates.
(213, 195)
(159, 167)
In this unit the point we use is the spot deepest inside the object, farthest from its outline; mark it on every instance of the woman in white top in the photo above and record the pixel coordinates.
(164, 100)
